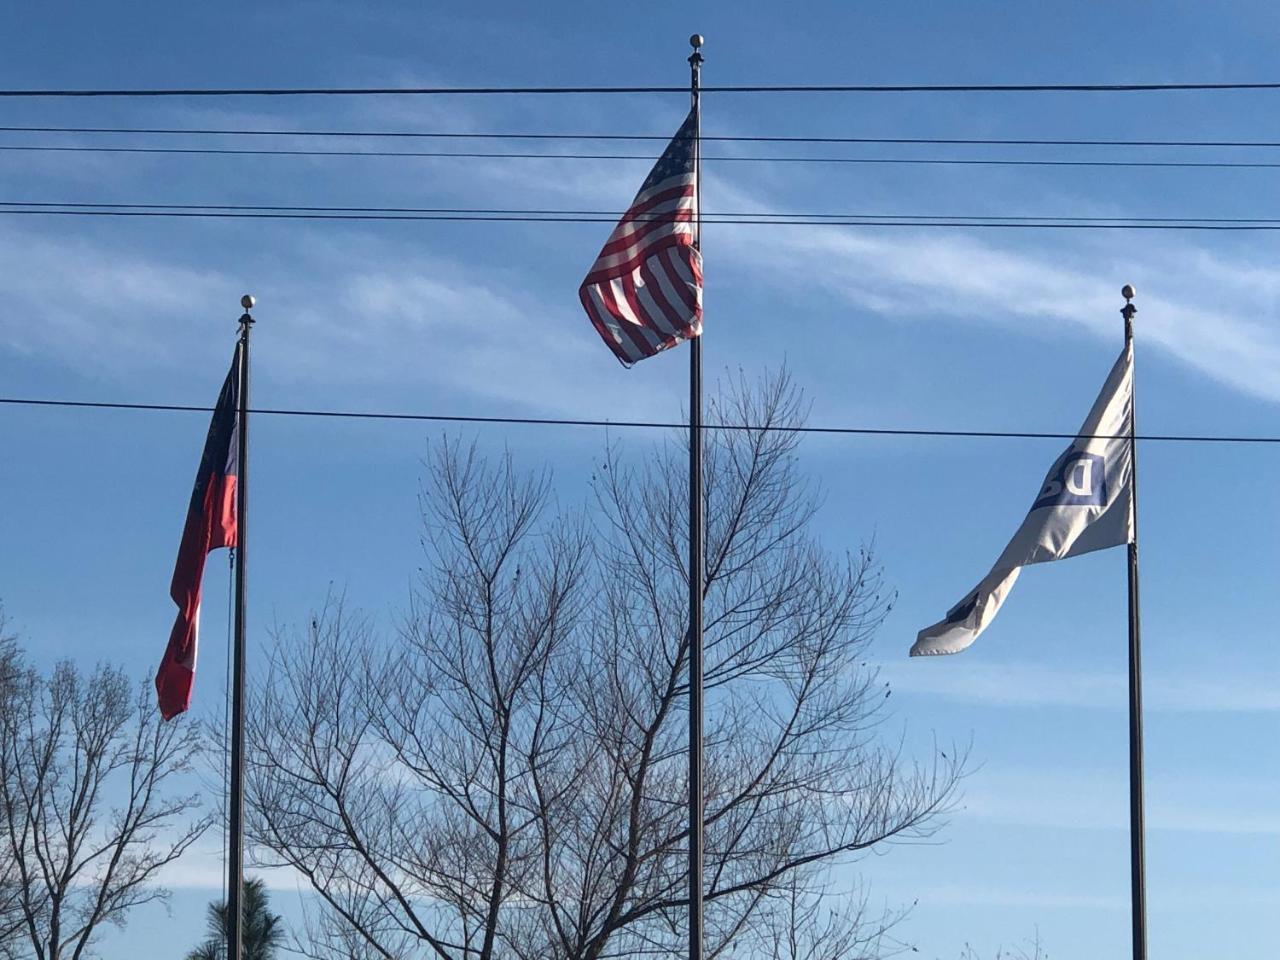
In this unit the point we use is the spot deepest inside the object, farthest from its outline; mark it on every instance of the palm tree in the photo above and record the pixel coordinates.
(263, 930)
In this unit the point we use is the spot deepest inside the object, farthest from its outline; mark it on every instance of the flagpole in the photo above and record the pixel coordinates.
(235, 841)
(1137, 816)
(696, 531)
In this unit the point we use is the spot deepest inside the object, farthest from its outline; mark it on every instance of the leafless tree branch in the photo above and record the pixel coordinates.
(88, 816)
(506, 777)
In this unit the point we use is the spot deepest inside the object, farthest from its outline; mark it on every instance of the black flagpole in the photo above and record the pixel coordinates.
(696, 530)
(1137, 816)
(235, 842)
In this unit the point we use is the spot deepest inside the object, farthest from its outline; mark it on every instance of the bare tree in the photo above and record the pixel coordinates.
(1032, 949)
(507, 778)
(807, 921)
(10, 914)
(87, 817)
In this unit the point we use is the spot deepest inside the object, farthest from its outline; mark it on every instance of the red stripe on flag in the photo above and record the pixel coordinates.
(637, 230)
(680, 284)
(659, 296)
(212, 527)
(610, 328)
(659, 322)
(666, 195)
(620, 349)
(638, 335)
(617, 270)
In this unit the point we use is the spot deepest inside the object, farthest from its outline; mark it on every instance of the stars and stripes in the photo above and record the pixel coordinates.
(211, 523)
(644, 292)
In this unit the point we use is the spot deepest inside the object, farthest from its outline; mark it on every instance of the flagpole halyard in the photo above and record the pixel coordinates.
(235, 842)
(1137, 813)
(696, 563)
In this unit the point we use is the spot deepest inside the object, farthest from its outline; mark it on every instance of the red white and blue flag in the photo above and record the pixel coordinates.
(211, 523)
(644, 292)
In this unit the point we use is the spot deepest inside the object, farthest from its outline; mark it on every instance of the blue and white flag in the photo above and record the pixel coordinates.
(1086, 504)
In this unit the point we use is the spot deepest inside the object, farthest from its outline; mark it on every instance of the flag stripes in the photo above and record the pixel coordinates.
(643, 294)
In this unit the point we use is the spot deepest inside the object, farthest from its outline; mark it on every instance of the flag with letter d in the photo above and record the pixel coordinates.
(211, 523)
(1086, 504)
(644, 292)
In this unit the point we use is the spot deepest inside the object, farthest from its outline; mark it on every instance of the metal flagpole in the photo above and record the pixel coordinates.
(696, 530)
(235, 857)
(1137, 816)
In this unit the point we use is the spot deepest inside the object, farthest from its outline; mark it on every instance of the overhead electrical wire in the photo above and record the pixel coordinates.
(658, 138)
(611, 215)
(340, 213)
(641, 424)
(336, 214)
(476, 155)
(142, 93)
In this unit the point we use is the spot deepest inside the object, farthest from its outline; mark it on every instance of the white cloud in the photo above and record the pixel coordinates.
(352, 305)
(1032, 685)
(202, 867)
(1198, 897)
(88, 306)
(360, 314)
(1198, 307)
(988, 895)
(1087, 800)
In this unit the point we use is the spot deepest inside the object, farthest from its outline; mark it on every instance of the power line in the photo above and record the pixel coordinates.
(611, 90)
(658, 138)
(916, 222)
(545, 215)
(611, 215)
(643, 424)
(475, 155)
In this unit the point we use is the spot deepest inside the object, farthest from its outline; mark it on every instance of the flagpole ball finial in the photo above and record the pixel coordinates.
(697, 40)
(247, 301)
(1128, 311)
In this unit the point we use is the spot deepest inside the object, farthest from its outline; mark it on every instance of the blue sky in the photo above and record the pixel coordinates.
(1007, 330)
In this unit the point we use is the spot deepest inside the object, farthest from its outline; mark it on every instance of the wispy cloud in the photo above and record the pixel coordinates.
(1086, 800)
(344, 312)
(1033, 685)
(89, 306)
(1197, 897)
(1205, 310)
(203, 868)
(355, 302)
(989, 895)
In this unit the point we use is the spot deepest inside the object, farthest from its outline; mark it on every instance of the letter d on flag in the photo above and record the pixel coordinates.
(1085, 504)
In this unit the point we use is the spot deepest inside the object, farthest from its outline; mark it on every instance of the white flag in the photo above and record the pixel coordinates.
(1086, 504)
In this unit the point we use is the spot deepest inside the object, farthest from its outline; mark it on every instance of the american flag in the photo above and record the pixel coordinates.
(644, 292)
